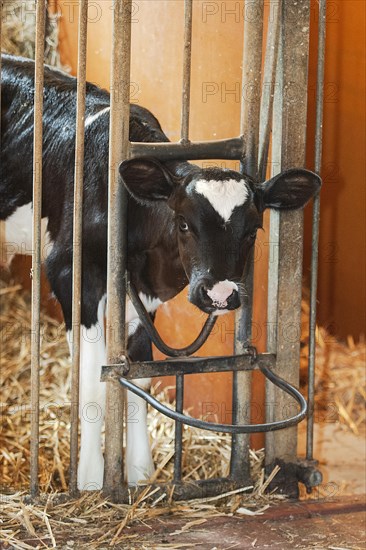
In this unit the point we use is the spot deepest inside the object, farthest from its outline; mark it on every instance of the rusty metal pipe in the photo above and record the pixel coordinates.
(36, 244)
(249, 128)
(230, 428)
(285, 299)
(187, 59)
(218, 149)
(268, 86)
(315, 227)
(178, 437)
(77, 240)
(117, 243)
(1, 20)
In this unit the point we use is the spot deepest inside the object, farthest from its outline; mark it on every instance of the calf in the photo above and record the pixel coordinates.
(185, 225)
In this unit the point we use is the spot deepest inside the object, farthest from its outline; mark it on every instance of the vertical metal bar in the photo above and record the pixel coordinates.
(36, 243)
(249, 127)
(273, 259)
(315, 226)
(295, 48)
(187, 55)
(178, 428)
(251, 85)
(1, 20)
(184, 134)
(77, 240)
(117, 243)
(2, 223)
(271, 116)
(268, 86)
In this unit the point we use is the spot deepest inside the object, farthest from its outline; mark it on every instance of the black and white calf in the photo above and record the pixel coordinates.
(185, 225)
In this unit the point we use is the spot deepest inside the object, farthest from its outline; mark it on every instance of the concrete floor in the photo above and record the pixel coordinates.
(336, 525)
(332, 518)
(342, 459)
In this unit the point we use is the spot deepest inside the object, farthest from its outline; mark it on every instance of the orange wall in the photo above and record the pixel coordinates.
(217, 45)
(216, 75)
(342, 254)
(156, 80)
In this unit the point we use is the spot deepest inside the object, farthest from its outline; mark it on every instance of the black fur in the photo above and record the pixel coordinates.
(146, 245)
(161, 257)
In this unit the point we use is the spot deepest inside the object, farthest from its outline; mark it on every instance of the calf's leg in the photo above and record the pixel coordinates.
(139, 462)
(92, 400)
(92, 357)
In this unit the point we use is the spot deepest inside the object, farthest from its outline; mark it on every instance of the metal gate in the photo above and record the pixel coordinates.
(285, 67)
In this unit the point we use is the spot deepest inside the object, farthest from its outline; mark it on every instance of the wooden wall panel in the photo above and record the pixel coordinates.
(342, 250)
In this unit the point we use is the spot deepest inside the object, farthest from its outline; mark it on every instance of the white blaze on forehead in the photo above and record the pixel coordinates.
(224, 196)
(220, 292)
(90, 119)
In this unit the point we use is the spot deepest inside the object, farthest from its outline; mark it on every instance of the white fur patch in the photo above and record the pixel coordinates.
(139, 463)
(223, 196)
(91, 118)
(18, 235)
(132, 318)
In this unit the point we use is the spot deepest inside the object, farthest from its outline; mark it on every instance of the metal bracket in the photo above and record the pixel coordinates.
(155, 336)
(291, 473)
(308, 473)
(228, 428)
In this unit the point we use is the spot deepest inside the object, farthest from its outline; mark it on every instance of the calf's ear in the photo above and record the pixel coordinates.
(289, 190)
(146, 179)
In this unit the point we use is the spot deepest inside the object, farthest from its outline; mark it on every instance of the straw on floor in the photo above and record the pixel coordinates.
(99, 522)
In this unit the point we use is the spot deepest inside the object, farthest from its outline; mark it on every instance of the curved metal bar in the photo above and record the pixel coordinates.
(154, 335)
(229, 428)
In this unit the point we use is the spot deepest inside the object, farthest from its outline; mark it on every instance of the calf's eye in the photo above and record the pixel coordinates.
(183, 225)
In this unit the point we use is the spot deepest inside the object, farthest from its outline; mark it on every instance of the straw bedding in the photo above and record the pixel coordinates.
(49, 520)
(340, 388)
(18, 31)
(339, 383)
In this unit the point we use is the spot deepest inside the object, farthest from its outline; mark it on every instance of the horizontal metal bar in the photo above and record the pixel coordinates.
(230, 149)
(155, 336)
(182, 490)
(188, 365)
(186, 490)
(229, 428)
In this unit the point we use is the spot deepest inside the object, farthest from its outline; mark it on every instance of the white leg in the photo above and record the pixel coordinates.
(91, 404)
(139, 463)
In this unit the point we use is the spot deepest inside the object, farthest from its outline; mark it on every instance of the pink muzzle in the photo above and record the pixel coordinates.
(220, 292)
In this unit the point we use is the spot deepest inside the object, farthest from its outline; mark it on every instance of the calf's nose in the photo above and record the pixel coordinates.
(220, 292)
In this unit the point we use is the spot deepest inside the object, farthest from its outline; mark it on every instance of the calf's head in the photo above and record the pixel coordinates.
(217, 214)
